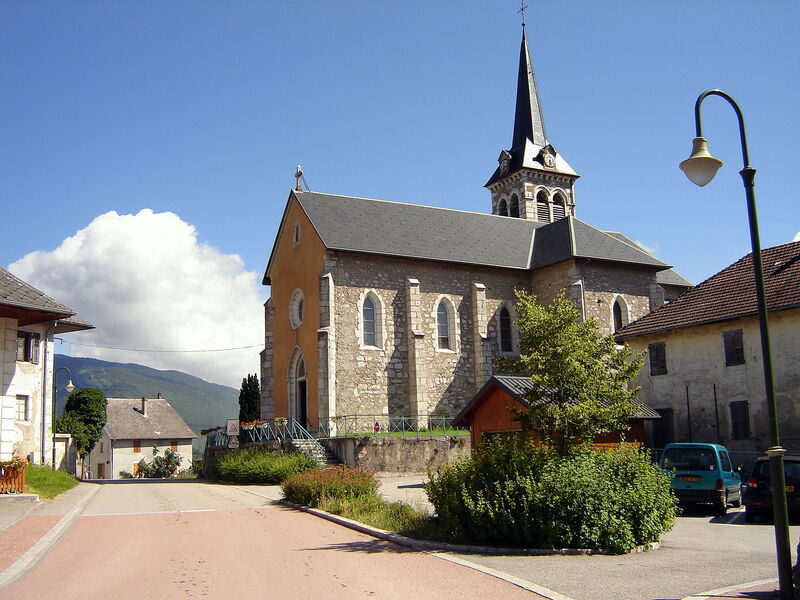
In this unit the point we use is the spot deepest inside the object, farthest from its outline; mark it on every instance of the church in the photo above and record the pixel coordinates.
(390, 309)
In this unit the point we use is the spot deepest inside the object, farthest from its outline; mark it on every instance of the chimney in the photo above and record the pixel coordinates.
(144, 406)
(158, 395)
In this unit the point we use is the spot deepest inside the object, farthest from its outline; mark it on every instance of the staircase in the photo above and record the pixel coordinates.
(319, 453)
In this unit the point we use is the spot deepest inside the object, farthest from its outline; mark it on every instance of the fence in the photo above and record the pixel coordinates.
(390, 425)
(12, 481)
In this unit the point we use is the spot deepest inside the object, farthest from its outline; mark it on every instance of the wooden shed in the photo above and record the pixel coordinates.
(489, 412)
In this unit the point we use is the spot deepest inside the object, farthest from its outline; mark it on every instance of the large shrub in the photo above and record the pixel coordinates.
(160, 467)
(514, 493)
(252, 465)
(311, 487)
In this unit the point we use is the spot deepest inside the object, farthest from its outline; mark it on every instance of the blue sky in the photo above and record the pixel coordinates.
(203, 109)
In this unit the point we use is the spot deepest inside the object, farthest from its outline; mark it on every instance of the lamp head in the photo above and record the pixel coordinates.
(700, 167)
(70, 386)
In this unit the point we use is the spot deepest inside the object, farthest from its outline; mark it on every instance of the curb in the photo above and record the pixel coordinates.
(710, 594)
(426, 545)
(36, 552)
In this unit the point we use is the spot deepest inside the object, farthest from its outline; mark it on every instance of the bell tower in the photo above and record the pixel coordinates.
(532, 180)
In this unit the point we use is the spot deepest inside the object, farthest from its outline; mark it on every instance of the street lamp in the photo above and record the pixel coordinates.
(69, 387)
(700, 168)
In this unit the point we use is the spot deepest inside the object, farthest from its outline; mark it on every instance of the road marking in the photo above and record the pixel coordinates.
(731, 588)
(526, 585)
(35, 553)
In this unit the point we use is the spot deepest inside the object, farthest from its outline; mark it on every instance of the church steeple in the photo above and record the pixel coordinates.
(528, 118)
(532, 180)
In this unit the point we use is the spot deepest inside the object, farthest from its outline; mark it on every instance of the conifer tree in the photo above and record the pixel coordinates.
(250, 399)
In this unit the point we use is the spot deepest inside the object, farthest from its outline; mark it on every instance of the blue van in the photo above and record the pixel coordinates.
(703, 474)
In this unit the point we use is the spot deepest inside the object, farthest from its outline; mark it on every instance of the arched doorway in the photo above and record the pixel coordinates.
(298, 388)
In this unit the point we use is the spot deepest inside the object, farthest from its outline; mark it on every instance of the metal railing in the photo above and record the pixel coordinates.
(277, 429)
(390, 425)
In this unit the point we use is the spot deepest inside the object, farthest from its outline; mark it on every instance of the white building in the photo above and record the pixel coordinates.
(133, 428)
(28, 321)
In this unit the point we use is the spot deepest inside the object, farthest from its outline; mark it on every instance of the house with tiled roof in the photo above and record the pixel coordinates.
(704, 370)
(29, 319)
(394, 309)
(134, 427)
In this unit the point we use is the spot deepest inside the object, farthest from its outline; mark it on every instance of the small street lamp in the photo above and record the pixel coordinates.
(69, 387)
(700, 168)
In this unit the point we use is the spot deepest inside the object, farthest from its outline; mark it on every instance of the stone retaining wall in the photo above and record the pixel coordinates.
(397, 454)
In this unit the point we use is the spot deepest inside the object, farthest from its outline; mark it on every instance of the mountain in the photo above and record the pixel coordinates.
(200, 403)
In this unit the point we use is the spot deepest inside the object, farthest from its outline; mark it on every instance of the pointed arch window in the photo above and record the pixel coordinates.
(619, 314)
(559, 207)
(444, 341)
(506, 343)
(513, 207)
(542, 209)
(368, 316)
(502, 208)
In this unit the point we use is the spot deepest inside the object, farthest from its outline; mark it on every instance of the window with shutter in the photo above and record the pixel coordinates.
(506, 344)
(740, 420)
(734, 347)
(513, 207)
(559, 208)
(542, 208)
(658, 358)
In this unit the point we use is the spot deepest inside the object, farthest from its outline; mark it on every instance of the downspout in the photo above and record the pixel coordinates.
(44, 391)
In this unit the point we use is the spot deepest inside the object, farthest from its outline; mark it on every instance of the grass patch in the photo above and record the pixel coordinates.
(257, 466)
(47, 483)
(377, 512)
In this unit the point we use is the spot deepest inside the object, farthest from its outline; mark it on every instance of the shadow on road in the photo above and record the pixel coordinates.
(367, 547)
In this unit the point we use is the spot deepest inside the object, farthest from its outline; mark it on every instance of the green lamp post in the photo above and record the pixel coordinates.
(700, 168)
(69, 387)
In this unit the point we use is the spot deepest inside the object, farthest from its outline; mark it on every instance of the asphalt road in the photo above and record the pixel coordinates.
(192, 540)
(701, 553)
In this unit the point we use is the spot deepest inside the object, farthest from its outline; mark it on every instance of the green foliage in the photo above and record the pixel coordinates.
(311, 487)
(579, 375)
(46, 482)
(251, 465)
(250, 399)
(84, 418)
(513, 493)
(377, 512)
(161, 467)
(125, 475)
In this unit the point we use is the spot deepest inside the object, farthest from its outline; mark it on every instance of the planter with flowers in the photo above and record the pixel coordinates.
(12, 475)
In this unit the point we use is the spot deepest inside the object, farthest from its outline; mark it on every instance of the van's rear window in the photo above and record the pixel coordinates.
(791, 470)
(689, 459)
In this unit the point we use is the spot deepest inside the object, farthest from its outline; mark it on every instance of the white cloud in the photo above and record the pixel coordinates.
(146, 282)
(796, 237)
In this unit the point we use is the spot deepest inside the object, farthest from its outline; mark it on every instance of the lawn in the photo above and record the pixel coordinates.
(47, 483)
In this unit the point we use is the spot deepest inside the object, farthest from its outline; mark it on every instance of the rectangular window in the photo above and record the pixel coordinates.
(28, 346)
(734, 347)
(173, 445)
(740, 420)
(658, 358)
(101, 447)
(137, 445)
(23, 406)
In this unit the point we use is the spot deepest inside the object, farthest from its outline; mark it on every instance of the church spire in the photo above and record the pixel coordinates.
(528, 118)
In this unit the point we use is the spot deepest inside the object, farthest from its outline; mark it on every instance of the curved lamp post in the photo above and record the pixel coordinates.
(700, 168)
(69, 387)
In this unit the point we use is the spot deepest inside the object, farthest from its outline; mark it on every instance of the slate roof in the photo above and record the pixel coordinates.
(15, 292)
(126, 421)
(347, 223)
(515, 386)
(667, 277)
(730, 294)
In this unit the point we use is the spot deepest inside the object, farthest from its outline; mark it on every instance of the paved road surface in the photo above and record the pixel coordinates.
(173, 540)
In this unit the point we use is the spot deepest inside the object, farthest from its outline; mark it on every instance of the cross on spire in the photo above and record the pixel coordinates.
(522, 7)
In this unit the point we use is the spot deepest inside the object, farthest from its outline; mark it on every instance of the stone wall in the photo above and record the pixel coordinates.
(604, 282)
(399, 455)
(376, 380)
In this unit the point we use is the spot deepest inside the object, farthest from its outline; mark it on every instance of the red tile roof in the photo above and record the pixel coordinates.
(729, 294)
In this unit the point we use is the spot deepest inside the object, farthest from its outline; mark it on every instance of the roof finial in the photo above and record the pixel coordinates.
(301, 180)
(522, 7)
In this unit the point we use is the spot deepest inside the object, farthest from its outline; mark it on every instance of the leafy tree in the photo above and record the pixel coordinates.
(161, 466)
(84, 418)
(579, 375)
(250, 399)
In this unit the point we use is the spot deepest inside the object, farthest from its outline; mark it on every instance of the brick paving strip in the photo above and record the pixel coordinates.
(755, 590)
(22, 535)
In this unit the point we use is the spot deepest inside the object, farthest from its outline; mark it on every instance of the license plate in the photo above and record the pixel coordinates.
(689, 478)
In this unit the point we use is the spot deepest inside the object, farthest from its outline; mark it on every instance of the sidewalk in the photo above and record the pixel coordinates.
(29, 530)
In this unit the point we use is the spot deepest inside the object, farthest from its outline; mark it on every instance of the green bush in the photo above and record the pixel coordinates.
(517, 494)
(312, 487)
(252, 465)
(161, 467)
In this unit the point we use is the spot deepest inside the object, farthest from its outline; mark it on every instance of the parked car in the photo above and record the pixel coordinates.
(703, 474)
(758, 494)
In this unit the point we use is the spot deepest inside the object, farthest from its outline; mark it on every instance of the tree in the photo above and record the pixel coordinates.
(84, 418)
(250, 399)
(580, 376)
